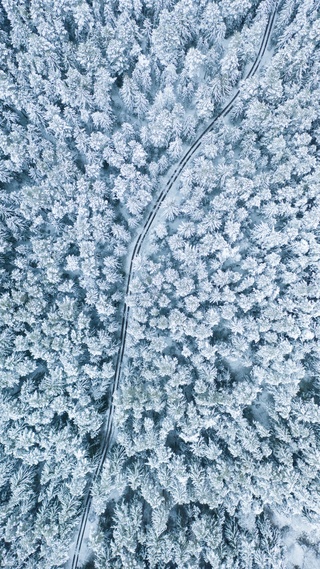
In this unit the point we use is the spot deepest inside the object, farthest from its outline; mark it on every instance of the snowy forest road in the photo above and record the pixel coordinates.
(136, 250)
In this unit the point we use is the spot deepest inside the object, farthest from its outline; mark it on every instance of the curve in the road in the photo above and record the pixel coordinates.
(136, 250)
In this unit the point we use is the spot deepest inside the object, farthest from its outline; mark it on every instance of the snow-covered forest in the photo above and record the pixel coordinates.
(159, 284)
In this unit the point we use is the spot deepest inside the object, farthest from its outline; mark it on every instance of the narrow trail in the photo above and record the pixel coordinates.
(136, 250)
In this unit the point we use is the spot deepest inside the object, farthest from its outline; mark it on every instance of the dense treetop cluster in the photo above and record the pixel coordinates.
(216, 454)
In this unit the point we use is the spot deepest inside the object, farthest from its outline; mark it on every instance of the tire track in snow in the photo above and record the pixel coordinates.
(136, 250)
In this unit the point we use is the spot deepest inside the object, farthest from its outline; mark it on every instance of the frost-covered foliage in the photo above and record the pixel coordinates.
(218, 407)
(216, 462)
